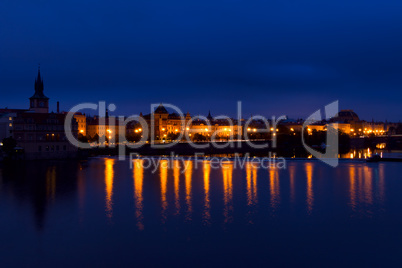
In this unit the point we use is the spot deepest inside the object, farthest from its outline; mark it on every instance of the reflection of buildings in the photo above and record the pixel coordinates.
(188, 177)
(164, 179)
(274, 187)
(251, 177)
(109, 177)
(227, 172)
(366, 184)
(207, 205)
(39, 133)
(40, 184)
(310, 192)
(176, 175)
(292, 174)
(138, 189)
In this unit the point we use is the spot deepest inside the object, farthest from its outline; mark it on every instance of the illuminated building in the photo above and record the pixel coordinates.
(82, 123)
(162, 124)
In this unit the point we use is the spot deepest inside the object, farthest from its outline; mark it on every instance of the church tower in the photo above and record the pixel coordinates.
(39, 103)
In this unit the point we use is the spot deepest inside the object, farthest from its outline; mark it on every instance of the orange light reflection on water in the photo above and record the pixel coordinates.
(227, 171)
(207, 203)
(163, 175)
(109, 176)
(176, 175)
(310, 193)
(188, 165)
(138, 195)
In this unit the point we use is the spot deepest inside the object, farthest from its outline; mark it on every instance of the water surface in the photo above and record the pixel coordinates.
(103, 213)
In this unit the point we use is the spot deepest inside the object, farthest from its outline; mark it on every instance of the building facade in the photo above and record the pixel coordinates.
(38, 133)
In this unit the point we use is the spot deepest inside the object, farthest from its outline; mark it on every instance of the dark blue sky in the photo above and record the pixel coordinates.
(278, 57)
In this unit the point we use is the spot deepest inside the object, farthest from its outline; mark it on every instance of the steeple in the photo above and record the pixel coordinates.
(39, 103)
(39, 87)
(209, 117)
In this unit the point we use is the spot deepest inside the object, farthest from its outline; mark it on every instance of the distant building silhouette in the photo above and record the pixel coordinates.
(39, 103)
(38, 133)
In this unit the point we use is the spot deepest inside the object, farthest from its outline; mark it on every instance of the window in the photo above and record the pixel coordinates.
(64, 147)
(40, 148)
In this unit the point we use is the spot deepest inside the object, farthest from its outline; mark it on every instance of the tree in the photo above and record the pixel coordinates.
(95, 138)
(82, 138)
(134, 137)
(172, 136)
(199, 137)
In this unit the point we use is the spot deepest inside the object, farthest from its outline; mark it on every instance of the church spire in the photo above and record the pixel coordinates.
(39, 102)
(39, 86)
(209, 117)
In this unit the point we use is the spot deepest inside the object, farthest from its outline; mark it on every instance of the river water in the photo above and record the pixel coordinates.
(106, 212)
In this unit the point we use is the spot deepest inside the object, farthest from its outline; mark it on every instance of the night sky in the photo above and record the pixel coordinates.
(277, 57)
